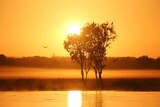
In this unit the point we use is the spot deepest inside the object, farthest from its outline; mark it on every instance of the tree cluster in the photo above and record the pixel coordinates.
(89, 47)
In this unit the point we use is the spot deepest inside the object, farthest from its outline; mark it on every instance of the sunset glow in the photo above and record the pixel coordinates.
(27, 25)
(74, 99)
(74, 29)
(80, 53)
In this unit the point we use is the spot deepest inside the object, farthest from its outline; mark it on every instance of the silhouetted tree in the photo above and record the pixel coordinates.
(158, 59)
(2, 59)
(89, 48)
(143, 58)
(98, 38)
(75, 46)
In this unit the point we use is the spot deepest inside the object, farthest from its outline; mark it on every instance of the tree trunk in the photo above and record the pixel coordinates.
(82, 73)
(96, 74)
(100, 76)
(86, 75)
(95, 71)
(100, 71)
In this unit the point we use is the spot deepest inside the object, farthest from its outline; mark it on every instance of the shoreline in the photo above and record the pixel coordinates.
(66, 84)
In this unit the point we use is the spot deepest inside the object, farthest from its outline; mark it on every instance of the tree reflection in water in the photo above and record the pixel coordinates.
(92, 99)
(98, 99)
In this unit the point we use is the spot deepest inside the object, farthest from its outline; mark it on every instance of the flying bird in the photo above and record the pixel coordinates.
(45, 46)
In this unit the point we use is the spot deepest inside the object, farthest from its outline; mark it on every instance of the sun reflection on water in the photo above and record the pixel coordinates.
(74, 98)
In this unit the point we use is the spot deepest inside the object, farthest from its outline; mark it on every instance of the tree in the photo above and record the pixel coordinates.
(98, 38)
(89, 48)
(2, 59)
(75, 47)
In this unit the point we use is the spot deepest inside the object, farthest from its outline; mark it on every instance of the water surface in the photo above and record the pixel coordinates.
(79, 99)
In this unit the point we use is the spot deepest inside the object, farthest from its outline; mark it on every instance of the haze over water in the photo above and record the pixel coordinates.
(20, 72)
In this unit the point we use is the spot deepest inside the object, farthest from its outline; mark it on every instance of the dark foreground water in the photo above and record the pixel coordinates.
(79, 99)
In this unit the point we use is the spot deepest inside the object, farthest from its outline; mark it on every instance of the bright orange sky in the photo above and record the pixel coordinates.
(28, 25)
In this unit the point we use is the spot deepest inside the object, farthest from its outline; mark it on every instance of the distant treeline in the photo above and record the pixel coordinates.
(143, 62)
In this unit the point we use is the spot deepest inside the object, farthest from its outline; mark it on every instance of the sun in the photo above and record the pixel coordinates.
(74, 29)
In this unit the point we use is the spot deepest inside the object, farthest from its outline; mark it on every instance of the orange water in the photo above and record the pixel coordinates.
(20, 72)
(79, 99)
